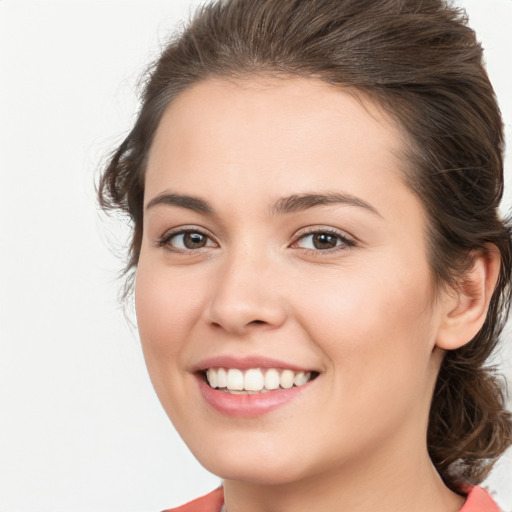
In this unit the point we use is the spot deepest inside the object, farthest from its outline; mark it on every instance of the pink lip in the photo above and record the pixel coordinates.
(244, 363)
(248, 406)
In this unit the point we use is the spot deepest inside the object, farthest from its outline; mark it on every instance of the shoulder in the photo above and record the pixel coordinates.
(212, 502)
(479, 500)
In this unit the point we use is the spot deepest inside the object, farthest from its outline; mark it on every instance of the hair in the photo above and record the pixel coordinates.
(420, 61)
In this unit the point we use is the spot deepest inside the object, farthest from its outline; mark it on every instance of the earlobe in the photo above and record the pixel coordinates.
(465, 309)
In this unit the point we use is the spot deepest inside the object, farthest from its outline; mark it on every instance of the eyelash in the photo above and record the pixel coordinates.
(165, 239)
(346, 243)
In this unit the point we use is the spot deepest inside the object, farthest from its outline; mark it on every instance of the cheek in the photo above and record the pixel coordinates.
(376, 327)
(167, 309)
(164, 304)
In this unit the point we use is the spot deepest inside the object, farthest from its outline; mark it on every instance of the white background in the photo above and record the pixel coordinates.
(80, 427)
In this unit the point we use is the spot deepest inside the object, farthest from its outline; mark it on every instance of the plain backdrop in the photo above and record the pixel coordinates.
(80, 426)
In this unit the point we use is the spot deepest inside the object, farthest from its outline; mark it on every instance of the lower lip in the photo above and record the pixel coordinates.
(250, 405)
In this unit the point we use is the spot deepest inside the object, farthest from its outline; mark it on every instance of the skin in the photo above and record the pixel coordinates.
(365, 314)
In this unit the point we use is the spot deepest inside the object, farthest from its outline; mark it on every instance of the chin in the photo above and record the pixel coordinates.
(257, 474)
(257, 466)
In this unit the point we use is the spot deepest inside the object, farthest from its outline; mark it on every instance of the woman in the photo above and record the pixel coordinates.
(321, 270)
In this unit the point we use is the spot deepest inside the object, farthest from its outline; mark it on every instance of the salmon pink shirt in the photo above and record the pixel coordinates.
(478, 500)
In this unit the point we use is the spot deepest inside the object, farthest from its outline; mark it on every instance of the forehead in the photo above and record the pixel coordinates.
(284, 134)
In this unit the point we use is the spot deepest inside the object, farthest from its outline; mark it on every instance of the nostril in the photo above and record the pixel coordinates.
(257, 322)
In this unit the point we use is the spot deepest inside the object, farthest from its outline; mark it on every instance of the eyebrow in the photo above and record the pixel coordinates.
(193, 203)
(290, 204)
(300, 202)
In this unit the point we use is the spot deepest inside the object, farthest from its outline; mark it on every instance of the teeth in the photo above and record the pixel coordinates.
(286, 379)
(299, 379)
(254, 380)
(211, 375)
(272, 380)
(222, 378)
(235, 379)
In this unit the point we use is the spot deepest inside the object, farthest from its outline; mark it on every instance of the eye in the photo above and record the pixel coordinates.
(186, 240)
(323, 240)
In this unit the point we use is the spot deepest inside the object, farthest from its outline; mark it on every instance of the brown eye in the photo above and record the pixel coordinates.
(186, 241)
(194, 240)
(324, 241)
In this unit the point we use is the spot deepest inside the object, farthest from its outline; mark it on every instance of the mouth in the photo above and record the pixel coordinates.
(249, 381)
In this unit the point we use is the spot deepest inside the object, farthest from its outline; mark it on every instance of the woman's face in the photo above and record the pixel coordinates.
(280, 244)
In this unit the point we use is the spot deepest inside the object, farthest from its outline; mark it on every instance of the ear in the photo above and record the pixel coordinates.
(465, 308)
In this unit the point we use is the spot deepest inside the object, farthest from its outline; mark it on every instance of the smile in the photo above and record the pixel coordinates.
(255, 380)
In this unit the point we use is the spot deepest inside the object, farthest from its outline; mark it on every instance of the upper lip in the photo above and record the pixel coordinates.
(245, 363)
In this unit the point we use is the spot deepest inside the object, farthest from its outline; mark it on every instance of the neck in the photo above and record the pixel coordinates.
(389, 483)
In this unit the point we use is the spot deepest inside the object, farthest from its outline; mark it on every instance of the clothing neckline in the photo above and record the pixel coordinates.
(477, 500)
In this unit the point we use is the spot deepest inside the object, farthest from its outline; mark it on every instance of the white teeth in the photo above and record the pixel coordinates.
(222, 378)
(211, 375)
(286, 379)
(235, 379)
(299, 380)
(255, 380)
(272, 379)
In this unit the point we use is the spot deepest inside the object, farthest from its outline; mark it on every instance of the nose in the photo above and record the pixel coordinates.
(247, 295)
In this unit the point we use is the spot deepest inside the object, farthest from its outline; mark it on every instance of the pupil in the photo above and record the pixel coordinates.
(194, 240)
(324, 241)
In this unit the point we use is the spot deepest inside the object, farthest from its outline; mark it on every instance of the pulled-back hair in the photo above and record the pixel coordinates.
(423, 65)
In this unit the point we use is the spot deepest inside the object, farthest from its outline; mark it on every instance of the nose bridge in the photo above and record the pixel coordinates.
(246, 293)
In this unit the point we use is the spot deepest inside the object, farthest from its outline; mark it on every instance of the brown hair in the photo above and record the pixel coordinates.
(420, 61)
